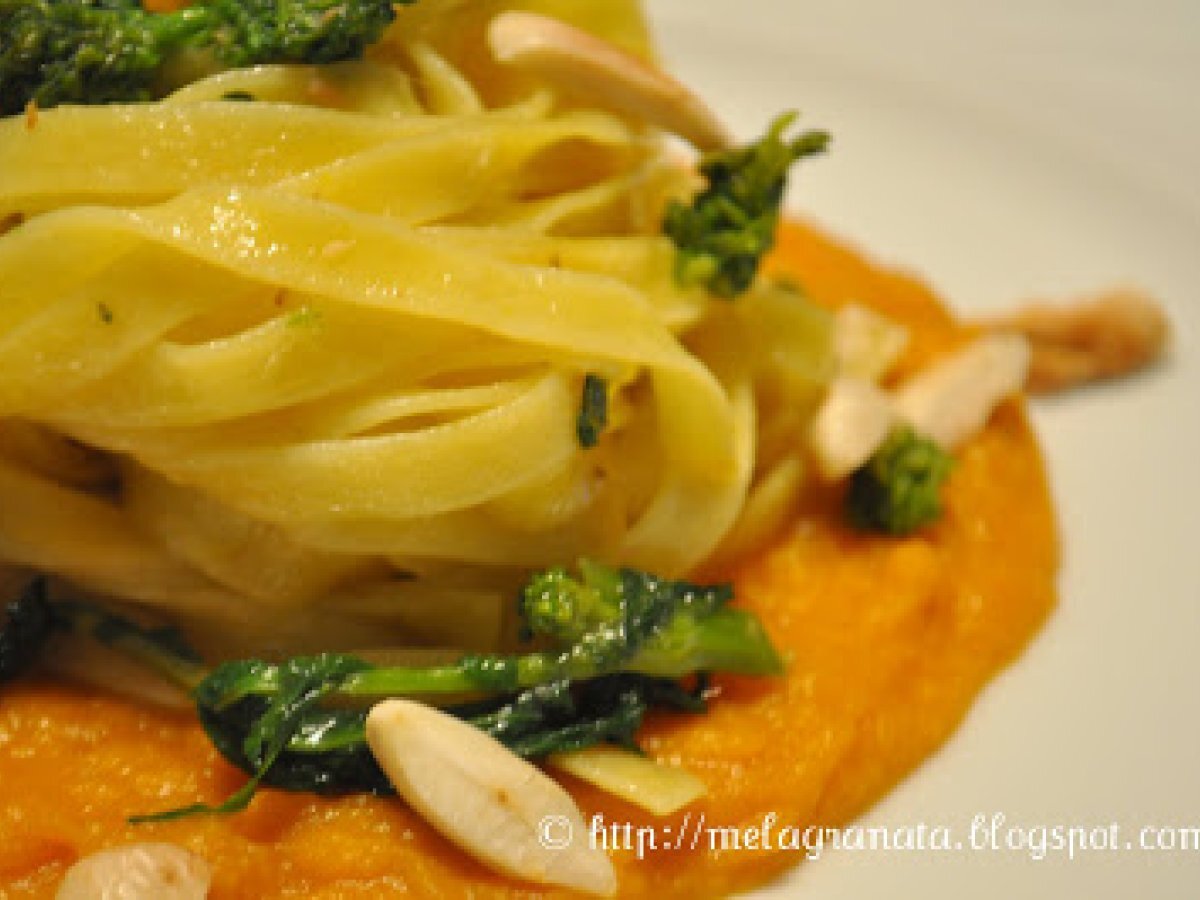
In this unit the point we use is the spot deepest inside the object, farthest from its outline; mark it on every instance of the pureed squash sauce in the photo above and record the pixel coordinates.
(887, 642)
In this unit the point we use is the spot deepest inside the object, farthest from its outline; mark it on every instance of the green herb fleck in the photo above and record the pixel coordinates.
(593, 411)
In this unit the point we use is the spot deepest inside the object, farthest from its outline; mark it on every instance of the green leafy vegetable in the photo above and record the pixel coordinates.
(724, 234)
(608, 621)
(620, 640)
(261, 739)
(27, 625)
(560, 716)
(593, 411)
(614, 643)
(326, 750)
(103, 51)
(899, 489)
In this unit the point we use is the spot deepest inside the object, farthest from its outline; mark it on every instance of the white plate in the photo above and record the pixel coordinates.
(1032, 148)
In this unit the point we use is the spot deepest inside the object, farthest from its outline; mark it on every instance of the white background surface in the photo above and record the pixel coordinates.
(1007, 151)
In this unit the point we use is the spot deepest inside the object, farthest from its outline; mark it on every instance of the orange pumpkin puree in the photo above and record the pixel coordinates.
(888, 641)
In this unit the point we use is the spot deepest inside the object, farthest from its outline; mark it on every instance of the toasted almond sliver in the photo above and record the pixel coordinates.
(497, 807)
(606, 74)
(952, 400)
(138, 872)
(851, 423)
(867, 344)
(659, 789)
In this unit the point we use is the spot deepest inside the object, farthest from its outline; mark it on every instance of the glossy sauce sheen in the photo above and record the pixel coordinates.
(888, 641)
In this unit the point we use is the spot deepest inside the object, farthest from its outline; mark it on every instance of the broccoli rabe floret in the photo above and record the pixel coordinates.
(899, 489)
(103, 51)
(555, 604)
(652, 625)
(730, 225)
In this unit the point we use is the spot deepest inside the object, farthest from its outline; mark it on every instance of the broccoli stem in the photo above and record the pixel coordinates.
(730, 641)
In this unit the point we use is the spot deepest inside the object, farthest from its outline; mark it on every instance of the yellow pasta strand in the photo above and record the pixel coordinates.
(325, 348)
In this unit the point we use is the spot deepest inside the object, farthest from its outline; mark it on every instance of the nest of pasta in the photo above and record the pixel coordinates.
(299, 359)
(326, 349)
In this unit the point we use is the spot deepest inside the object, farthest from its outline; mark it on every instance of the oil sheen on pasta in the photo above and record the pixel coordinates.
(888, 641)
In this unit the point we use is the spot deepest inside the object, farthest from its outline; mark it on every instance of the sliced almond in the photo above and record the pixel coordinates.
(952, 400)
(137, 872)
(497, 807)
(866, 344)
(606, 74)
(659, 789)
(852, 422)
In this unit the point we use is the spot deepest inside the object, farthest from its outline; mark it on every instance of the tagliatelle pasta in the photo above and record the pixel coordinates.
(887, 641)
(323, 363)
(356, 313)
